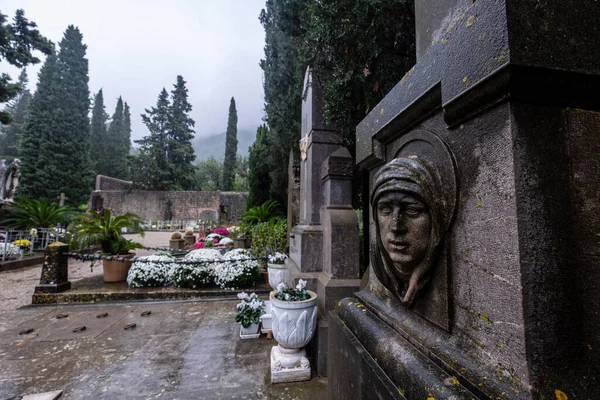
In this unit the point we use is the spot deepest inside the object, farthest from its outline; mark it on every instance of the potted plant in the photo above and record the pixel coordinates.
(277, 269)
(107, 229)
(294, 319)
(24, 245)
(248, 315)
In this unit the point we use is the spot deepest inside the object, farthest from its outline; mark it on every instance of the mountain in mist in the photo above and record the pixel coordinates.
(214, 145)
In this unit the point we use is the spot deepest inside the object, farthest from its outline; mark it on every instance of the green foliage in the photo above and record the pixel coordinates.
(117, 145)
(166, 155)
(17, 41)
(258, 180)
(107, 229)
(269, 237)
(209, 174)
(10, 136)
(230, 148)
(267, 211)
(249, 310)
(283, 77)
(293, 294)
(99, 153)
(55, 148)
(27, 214)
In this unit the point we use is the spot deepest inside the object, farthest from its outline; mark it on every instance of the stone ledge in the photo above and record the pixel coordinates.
(28, 261)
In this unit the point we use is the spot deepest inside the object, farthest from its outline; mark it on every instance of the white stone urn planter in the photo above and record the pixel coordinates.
(251, 332)
(294, 324)
(278, 273)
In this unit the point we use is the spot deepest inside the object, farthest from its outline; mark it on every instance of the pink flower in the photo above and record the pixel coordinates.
(215, 240)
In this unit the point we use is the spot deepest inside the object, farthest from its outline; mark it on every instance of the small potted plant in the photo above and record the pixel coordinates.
(294, 319)
(277, 269)
(108, 230)
(23, 244)
(248, 315)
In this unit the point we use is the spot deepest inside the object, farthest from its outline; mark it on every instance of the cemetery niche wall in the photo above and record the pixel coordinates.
(118, 195)
(484, 174)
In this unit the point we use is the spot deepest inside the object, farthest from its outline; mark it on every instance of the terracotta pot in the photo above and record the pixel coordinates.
(116, 271)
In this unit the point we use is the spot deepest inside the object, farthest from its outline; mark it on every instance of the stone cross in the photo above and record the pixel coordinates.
(61, 199)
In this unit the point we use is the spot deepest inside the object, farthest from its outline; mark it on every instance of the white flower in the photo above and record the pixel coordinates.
(281, 286)
(243, 296)
(301, 284)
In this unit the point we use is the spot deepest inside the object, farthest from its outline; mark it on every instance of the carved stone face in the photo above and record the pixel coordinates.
(404, 227)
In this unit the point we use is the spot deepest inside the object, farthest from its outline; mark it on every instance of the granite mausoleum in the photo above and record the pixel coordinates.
(118, 195)
(484, 166)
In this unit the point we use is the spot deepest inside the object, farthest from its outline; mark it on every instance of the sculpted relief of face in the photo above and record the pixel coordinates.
(409, 214)
(404, 225)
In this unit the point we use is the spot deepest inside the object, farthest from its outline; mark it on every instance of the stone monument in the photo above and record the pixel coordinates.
(9, 180)
(324, 245)
(484, 169)
(55, 270)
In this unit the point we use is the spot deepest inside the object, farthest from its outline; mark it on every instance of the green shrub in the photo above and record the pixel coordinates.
(269, 237)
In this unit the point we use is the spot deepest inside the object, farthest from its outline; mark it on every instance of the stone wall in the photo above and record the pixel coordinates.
(173, 205)
(108, 183)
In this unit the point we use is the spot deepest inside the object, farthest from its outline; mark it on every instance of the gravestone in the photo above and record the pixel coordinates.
(55, 270)
(484, 167)
(324, 245)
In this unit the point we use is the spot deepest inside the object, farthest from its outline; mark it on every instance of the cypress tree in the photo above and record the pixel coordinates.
(98, 136)
(181, 133)
(230, 148)
(258, 161)
(40, 122)
(114, 142)
(10, 140)
(59, 126)
(126, 141)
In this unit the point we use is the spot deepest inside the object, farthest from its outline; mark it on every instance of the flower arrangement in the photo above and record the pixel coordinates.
(277, 258)
(249, 309)
(203, 255)
(221, 231)
(298, 293)
(152, 272)
(237, 269)
(191, 276)
(22, 244)
(11, 250)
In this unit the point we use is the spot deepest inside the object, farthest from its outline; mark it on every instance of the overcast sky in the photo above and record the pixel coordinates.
(137, 47)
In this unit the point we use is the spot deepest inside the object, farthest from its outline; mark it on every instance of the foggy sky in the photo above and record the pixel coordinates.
(135, 48)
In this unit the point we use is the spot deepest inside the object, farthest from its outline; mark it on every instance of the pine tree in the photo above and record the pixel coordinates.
(150, 167)
(230, 148)
(181, 133)
(56, 137)
(17, 41)
(17, 108)
(98, 136)
(258, 162)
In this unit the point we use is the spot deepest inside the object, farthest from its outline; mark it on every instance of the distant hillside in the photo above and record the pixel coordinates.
(214, 145)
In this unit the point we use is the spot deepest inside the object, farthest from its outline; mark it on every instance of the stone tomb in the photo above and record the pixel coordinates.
(484, 166)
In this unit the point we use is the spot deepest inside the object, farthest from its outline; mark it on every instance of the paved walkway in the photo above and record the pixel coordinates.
(17, 286)
(182, 350)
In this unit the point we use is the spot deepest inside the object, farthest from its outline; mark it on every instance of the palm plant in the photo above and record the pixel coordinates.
(107, 229)
(264, 213)
(27, 214)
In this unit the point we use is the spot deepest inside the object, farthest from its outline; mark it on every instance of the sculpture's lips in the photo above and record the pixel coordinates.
(397, 245)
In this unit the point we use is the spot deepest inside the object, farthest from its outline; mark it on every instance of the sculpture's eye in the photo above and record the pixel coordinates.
(413, 211)
(385, 208)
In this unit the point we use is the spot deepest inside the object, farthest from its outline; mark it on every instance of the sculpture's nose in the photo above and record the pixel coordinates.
(398, 220)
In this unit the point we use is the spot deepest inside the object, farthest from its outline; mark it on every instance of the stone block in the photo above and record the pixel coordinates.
(306, 247)
(55, 270)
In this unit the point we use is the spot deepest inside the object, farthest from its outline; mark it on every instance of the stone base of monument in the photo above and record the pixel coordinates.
(53, 288)
(307, 240)
(373, 361)
(289, 365)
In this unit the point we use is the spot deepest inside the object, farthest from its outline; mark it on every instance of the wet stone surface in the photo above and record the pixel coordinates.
(182, 350)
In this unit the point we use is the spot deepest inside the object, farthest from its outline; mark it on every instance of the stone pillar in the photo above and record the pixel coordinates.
(508, 129)
(318, 142)
(293, 192)
(55, 270)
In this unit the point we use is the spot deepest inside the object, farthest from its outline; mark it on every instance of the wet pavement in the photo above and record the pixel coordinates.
(181, 350)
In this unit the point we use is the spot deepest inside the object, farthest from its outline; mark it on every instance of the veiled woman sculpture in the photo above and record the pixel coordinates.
(411, 218)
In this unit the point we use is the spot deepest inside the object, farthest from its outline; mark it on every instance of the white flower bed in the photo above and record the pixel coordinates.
(11, 250)
(203, 255)
(195, 275)
(236, 270)
(151, 272)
